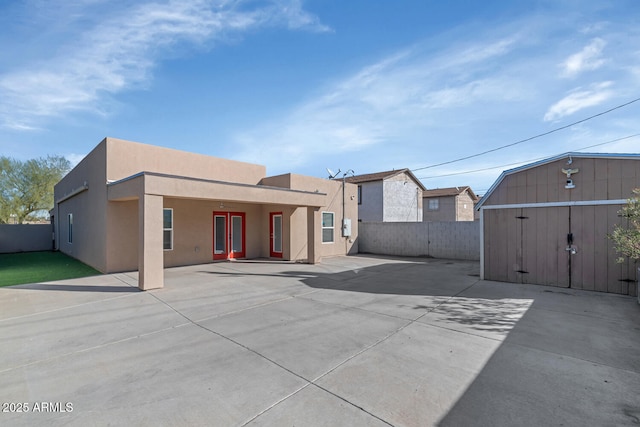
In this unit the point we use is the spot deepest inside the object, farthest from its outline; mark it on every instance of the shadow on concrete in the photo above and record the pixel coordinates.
(75, 288)
(561, 360)
(548, 358)
(425, 276)
(498, 316)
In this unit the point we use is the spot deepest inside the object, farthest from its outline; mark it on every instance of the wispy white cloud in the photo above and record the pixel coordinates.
(400, 94)
(580, 99)
(120, 53)
(291, 14)
(589, 58)
(449, 100)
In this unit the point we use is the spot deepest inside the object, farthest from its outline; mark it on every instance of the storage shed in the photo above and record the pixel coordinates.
(547, 223)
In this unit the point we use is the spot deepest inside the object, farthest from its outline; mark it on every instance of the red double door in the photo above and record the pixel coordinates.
(228, 235)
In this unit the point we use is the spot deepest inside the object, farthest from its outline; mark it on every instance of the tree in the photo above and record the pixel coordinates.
(26, 188)
(627, 239)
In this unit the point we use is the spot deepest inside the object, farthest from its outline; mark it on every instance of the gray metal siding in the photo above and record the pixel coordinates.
(371, 207)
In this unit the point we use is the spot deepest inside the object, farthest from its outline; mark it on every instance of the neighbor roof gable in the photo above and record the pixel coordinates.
(381, 176)
(449, 191)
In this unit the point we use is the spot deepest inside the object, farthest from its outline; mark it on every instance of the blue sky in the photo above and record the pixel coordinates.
(300, 86)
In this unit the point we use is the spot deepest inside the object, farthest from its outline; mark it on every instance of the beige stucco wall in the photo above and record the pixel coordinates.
(122, 238)
(89, 209)
(333, 190)
(130, 158)
(263, 243)
(193, 230)
(107, 217)
(193, 223)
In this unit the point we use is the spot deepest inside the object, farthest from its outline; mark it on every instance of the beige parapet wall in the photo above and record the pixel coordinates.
(25, 238)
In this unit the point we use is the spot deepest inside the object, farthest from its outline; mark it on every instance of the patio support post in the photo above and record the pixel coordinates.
(313, 235)
(150, 250)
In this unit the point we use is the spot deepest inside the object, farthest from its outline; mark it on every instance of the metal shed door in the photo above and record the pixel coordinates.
(533, 245)
(594, 266)
(544, 259)
(526, 245)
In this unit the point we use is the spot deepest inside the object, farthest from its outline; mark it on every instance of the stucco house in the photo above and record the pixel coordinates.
(129, 206)
(547, 223)
(391, 196)
(449, 204)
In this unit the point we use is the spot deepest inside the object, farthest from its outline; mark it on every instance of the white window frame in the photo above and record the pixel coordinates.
(435, 206)
(70, 228)
(170, 229)
(332, 228)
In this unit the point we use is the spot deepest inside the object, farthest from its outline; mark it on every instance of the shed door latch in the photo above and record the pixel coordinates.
(570, 248)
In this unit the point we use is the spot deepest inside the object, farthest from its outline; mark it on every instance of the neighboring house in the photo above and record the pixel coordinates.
(392, 196)
(449, 204)
(130, 206)
(547, 222)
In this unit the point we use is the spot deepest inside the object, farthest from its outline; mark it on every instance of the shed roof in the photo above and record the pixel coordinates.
(632, 156)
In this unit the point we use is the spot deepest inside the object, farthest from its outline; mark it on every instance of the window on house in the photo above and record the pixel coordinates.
(167, 235)
(70, 223)
(434, 204)
(327, 227)
(359, 194)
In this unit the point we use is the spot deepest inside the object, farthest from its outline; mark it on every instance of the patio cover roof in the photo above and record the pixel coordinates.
(133, 187)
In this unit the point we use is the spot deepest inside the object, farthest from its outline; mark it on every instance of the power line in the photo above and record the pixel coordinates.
(526, 161)
(530, 138)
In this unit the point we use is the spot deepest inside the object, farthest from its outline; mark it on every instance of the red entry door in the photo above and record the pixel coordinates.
(228, 235)
(275, 234)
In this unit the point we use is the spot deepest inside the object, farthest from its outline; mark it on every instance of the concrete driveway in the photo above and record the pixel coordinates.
(357, 341)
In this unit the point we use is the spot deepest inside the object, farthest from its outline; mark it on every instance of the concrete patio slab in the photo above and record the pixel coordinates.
(360, 340)
(282, 332)
(411, 378)
(219, 289)
(525, 386)
(41, 297)
(585, 325)
(58, 333)
(181, 376)
(314, 406)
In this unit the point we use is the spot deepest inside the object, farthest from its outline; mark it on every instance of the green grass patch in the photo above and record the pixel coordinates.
(36, 267)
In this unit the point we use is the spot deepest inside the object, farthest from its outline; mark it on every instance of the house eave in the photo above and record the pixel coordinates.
(204, 189)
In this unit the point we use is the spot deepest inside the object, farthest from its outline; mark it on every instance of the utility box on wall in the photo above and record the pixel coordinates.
(346, 227)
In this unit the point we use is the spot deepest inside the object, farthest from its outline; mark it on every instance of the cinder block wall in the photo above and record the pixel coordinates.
(25, 238)
(451, 239)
